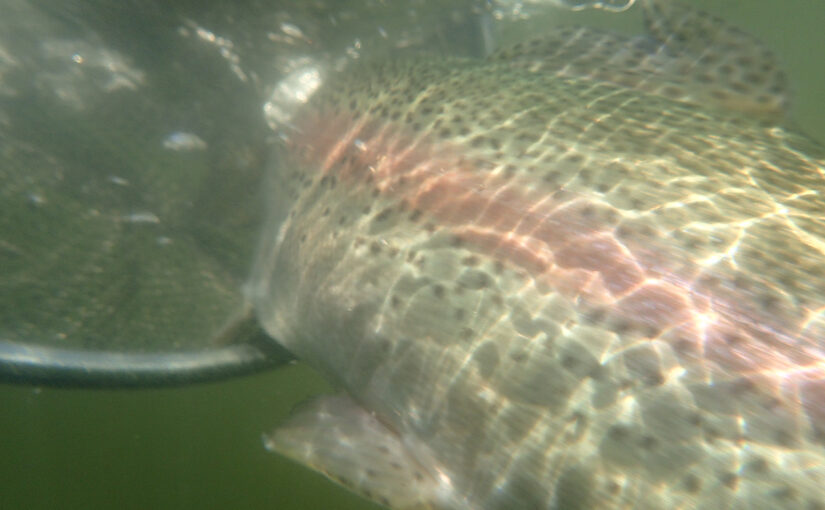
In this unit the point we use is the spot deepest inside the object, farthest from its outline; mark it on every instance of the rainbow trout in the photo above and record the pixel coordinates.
(587, 272)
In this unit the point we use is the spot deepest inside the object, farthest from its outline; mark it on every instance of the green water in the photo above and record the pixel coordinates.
(201, 447)
(197, 447)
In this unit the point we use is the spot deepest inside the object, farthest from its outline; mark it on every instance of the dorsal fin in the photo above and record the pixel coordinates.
(724, 64)
(690, 56)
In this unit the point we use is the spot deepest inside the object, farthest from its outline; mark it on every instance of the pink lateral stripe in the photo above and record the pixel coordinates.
(561, 239)
(521, 251)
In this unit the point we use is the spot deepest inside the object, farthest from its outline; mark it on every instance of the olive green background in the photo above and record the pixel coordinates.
(198, 447)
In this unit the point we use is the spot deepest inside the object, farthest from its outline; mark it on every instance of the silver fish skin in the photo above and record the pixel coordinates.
(585, 273)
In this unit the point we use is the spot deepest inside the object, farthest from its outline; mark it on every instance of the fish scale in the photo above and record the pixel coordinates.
(545, 287)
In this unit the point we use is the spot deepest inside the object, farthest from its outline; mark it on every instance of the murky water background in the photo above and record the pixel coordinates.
(200, 447)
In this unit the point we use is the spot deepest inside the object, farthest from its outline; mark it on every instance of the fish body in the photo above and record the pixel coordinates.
(587, 272)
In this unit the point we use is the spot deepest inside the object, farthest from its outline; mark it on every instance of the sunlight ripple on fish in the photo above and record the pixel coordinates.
(586, 272)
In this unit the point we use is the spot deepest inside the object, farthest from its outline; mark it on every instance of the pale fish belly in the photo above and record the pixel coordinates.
(544, 286)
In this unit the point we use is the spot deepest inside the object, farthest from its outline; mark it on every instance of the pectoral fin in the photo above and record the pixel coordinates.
(337, 437)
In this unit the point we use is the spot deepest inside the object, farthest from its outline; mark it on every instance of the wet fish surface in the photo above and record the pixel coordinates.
(586, 272)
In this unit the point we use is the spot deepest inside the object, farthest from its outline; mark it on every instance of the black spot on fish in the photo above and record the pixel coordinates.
(383, 215)
(729, 480)
(519, 356)
(711, 435)
(784, 438)
(692, 483)
(498, 267)
(613, 488)
(786, 494)
(814, 504)
(651, 331)
(758, 465)
(768, 302)
(654, 379)
(618, 433)
(622, 326)
(470, 260)
(649, 443)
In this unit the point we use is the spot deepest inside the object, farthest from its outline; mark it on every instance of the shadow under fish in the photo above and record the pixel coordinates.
(587, 272)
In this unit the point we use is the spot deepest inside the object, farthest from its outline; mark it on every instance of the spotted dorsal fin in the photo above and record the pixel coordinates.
(723, 64)
(688, 56)
(337, 437)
